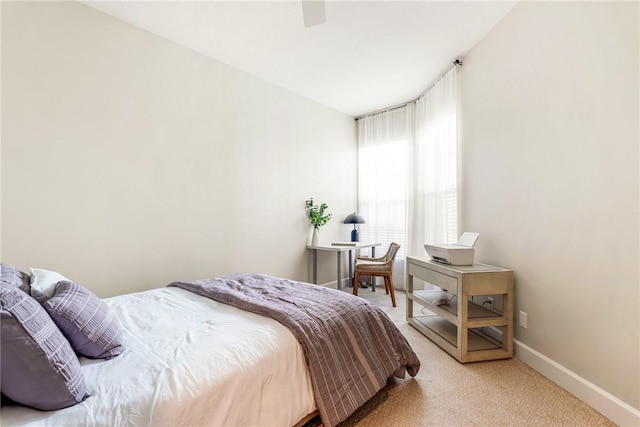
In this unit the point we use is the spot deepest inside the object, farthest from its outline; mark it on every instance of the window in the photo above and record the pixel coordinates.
(382, 193)
(408, 171)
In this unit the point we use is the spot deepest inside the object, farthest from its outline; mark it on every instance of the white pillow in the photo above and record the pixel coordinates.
(43, 283)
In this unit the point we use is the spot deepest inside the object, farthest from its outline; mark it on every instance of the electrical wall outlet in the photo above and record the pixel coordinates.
(523, 319)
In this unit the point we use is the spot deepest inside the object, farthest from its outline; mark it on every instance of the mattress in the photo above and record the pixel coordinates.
(192, 361)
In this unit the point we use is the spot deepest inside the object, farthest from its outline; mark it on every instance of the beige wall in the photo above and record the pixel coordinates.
(129, 161)
(551, 162)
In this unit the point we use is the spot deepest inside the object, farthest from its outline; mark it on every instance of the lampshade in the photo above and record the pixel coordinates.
(354, 218)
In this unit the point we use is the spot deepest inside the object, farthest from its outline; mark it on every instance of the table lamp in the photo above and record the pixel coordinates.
(354, 219)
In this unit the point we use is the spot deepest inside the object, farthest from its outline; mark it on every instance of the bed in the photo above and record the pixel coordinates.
(190, 359)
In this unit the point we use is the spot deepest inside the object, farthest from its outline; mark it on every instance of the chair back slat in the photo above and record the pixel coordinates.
(393, 250)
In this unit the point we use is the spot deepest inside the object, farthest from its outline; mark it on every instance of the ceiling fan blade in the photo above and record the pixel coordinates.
(313, 12)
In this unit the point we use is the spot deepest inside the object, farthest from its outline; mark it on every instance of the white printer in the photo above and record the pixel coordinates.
(460, 253)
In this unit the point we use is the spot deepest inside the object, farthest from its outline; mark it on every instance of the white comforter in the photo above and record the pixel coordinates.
(188, 361)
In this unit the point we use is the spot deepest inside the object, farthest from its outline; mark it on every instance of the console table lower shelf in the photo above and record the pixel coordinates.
(445, 334)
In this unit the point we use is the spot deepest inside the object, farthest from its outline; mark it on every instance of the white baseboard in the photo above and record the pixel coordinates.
(333, 284)
(608, 405)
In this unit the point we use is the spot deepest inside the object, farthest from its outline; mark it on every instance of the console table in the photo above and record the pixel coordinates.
(456, 318)
(339, 250)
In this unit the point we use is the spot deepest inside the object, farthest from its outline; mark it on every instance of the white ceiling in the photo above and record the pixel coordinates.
(368, 55)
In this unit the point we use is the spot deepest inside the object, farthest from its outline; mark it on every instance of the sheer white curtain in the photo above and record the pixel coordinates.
(408, 175)
(433, 180)
(383, 142)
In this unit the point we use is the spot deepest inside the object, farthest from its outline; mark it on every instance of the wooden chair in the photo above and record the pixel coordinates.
(381, 266)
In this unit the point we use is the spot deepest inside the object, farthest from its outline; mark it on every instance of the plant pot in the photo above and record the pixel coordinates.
(315, 237)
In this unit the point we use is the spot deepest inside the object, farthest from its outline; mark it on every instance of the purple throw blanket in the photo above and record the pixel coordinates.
(351, 346)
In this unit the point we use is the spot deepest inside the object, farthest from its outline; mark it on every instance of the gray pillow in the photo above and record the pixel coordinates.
(85, 320)
(13, 276)
(39, 367)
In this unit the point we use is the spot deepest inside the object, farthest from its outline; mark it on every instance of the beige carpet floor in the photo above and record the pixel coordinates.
(448, 393)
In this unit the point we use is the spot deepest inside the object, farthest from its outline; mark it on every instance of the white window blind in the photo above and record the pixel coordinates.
(382, 192)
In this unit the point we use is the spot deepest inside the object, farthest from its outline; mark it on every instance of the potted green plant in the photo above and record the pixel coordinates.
(318, 217)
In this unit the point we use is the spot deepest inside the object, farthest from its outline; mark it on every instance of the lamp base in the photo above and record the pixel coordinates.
(354, 235)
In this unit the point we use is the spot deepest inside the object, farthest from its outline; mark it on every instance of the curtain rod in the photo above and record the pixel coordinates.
(458, 61)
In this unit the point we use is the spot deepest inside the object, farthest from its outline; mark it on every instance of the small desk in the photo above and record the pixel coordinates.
(339, 250)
